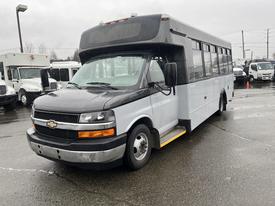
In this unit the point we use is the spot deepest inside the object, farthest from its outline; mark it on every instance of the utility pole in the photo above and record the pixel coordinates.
(243, 45)
(251, 55)
(267, 44)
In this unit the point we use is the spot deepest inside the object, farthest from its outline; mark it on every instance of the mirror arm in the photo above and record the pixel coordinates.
(160, 89)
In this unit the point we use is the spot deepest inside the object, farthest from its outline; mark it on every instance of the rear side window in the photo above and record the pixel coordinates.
(2, 70)
(64, 75)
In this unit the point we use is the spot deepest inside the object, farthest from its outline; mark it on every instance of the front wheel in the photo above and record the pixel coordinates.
(24, 98)
(251, 78)
(138, 149)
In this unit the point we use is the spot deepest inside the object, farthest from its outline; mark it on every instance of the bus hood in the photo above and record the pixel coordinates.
(81, 101)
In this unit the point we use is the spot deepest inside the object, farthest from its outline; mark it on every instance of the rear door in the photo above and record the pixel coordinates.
(165, 108)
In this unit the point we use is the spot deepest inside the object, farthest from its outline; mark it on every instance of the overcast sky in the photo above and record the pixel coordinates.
(58, 24)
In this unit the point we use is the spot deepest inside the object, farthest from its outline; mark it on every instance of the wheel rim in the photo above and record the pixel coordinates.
(140, 146)
(24, 99)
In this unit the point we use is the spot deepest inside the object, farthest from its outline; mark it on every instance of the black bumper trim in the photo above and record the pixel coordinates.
(7, 99)
(78, 145)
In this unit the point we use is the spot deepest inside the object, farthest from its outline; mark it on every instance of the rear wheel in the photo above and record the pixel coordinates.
(138, 149)
(222, 105)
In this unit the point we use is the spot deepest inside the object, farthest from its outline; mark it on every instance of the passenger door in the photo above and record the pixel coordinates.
(15, 79)
(165, 108)
(253, 71)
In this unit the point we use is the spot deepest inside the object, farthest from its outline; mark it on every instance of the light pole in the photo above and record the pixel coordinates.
(20, 8)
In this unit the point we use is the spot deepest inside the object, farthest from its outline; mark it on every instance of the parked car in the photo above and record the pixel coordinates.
(8, 97)
(239, 74)
(261, 71)
(22, 72)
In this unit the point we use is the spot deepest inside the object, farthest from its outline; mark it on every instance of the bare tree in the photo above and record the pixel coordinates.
(29, 47)
(53, 55)
(42, 49)
(76, 56)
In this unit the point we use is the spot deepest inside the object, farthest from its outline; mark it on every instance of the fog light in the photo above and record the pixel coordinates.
(96, 133)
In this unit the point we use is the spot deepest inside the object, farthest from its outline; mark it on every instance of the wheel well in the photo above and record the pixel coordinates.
(19, 93)
(148, 122)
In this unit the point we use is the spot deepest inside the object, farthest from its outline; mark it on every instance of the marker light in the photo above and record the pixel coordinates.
(96, 133)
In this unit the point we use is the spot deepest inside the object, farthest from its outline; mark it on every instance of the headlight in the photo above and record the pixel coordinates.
(32, 114)
(97, 117)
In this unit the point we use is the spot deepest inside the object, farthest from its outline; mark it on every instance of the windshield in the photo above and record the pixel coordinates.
(116, 71)
(265, 66)
(28, 73)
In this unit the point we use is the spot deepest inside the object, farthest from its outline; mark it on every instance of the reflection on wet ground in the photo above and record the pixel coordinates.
(255, 85)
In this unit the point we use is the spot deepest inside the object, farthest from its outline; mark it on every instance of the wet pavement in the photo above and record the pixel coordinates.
(228, 160)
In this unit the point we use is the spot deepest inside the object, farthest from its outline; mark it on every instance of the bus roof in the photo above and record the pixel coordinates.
(142, 30)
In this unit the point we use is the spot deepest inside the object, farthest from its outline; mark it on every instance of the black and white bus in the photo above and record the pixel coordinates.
(144, 81)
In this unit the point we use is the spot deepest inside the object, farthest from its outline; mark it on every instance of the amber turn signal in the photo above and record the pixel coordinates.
(96, 133)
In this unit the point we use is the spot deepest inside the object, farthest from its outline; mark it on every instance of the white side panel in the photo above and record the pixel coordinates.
(128, 114)
(199, 100)
(165, 111)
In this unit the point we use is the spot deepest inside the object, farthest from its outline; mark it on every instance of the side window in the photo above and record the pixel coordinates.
(207, 60)
(214, 60)
(254, 67)
(2, 70)
(54, 73)
(197, 71)
(156, 73)
(222, 65)
(9, 74)
(229, 59)
(64, 75)
(15, 74)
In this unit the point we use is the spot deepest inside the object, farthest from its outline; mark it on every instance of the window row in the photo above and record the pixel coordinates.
(209, 60)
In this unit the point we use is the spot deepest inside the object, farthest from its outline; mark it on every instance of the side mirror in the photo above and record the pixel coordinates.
(170, 72)
(44, 79)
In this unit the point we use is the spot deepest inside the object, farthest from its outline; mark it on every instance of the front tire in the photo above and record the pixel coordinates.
(24, 98)
(139, 146)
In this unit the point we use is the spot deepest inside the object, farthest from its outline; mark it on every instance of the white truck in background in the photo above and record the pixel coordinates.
(63, 71)
(21, 71)
(8, 97)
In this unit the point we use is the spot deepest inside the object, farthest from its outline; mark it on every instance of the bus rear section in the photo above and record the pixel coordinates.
(144, 82)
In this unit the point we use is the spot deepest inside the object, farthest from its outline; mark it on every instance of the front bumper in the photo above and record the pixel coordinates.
(7, 99)
(93, 151)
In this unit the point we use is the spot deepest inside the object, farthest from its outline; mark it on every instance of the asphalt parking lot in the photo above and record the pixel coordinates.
(228, 160)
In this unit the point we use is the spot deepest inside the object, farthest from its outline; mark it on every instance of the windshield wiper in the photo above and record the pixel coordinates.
(108, 85)
(75, 84)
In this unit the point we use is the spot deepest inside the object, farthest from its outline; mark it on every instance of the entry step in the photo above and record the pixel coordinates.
(172, 135)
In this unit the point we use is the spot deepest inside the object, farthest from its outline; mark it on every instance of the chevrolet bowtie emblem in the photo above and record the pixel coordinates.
(51, 124)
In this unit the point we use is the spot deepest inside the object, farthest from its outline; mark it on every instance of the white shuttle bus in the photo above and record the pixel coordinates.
(63, 71)
(22, 72)
(144, 82)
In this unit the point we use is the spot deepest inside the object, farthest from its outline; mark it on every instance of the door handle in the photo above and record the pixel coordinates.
(205, 97)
